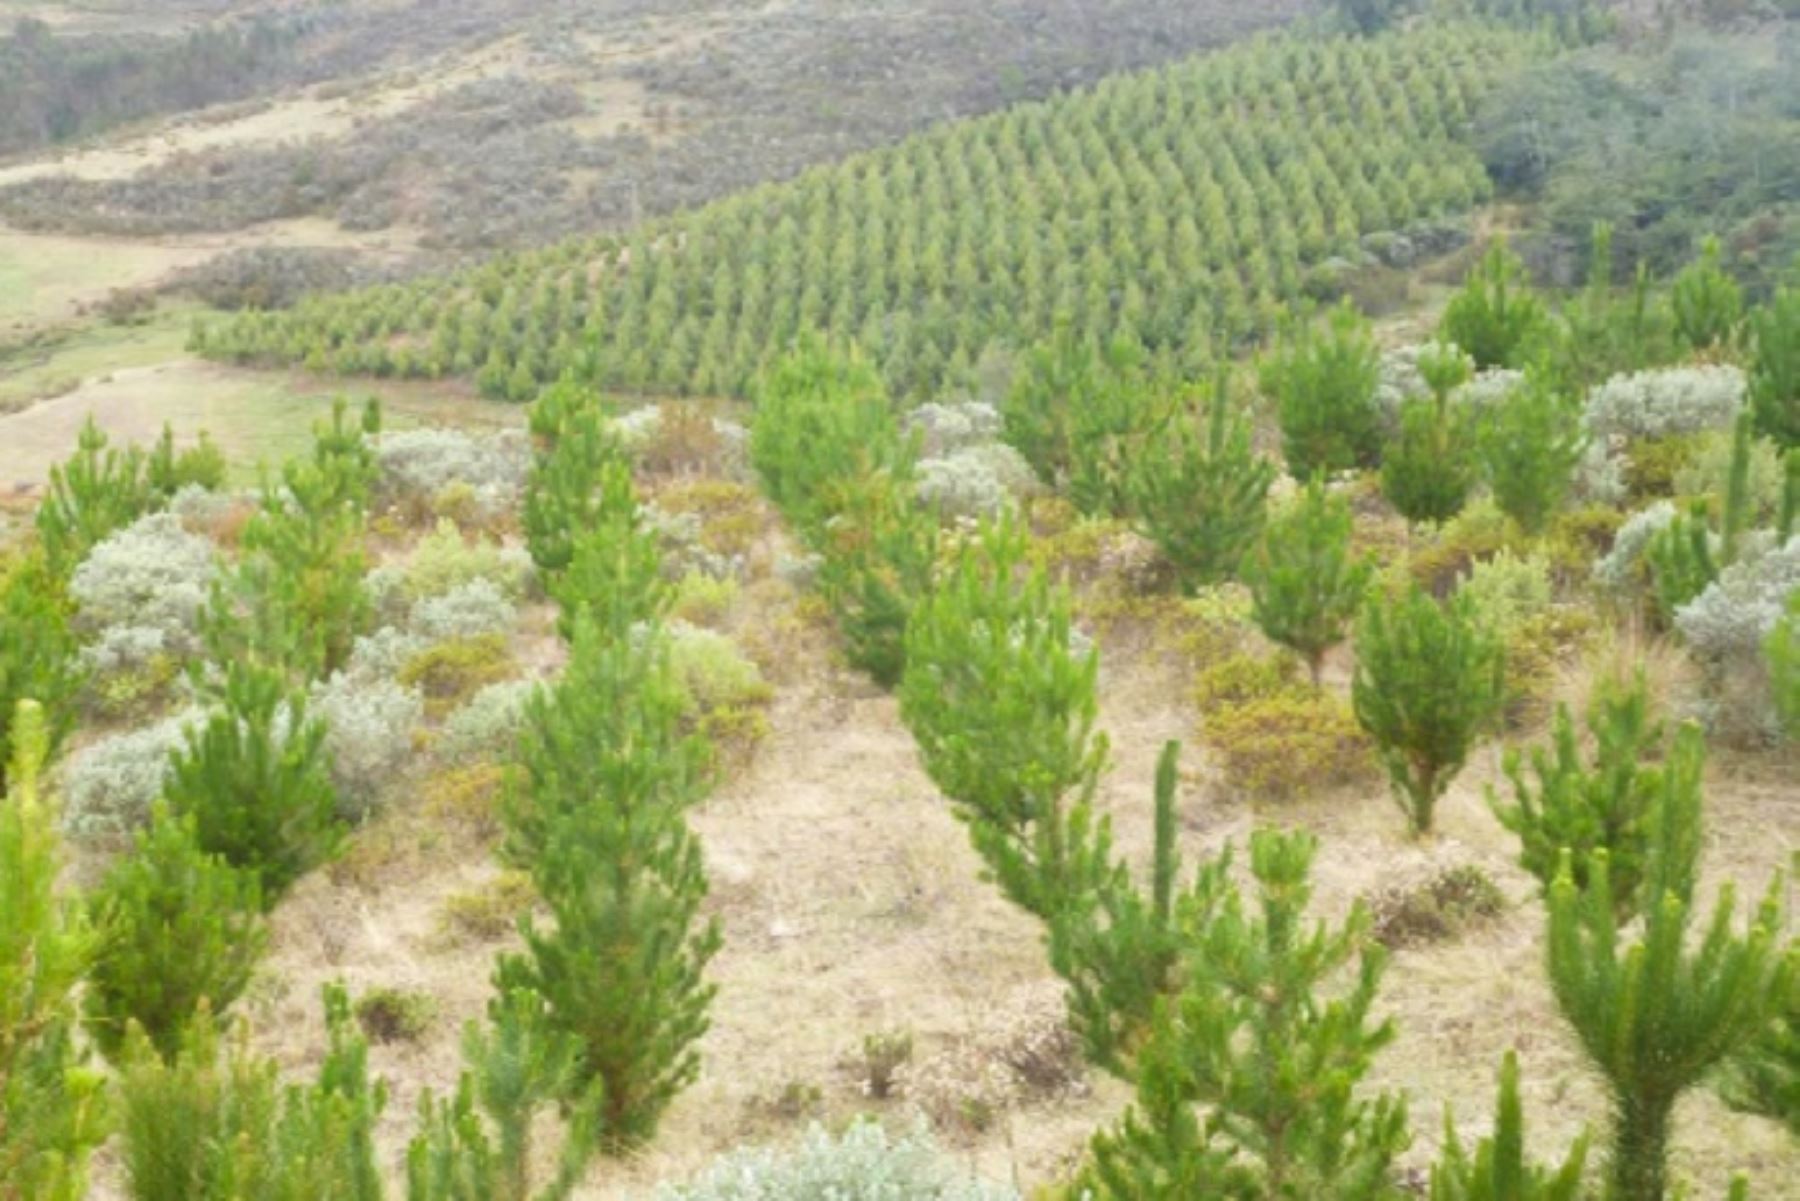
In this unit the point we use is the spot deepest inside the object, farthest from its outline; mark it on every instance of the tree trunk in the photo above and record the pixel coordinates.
(1640, 1150)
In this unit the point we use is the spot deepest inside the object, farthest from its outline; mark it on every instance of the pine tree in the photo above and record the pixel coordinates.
(181, 928)
(880, 554)
(600, 823)
(52, 1107)
(477, 1144)
(1682, 560)
(1657, 1016)
(1530, 443)
(1201, 497)
(1784, 667)
(1496, 317)
(1003, 707)
(615, 566)
(99, 489)
(1323, 383)
(1428, 680)
(207, 1125)
(1581, 808)
(1276, 1064)
(1498, 1169)
(1708, 303)
(562, 493)
(1304, 585)
(37, 649)
(254, 780)
(1775, 368)
(1765, 1077)
(1428, 471)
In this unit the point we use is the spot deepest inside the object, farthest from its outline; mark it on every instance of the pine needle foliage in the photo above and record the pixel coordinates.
(1252, 1038)
(563, 491)
(1529, 444)
(1428, 471)
(255, 781)
(476, 1145)
(880, 554)
(1305, 587)
(52, 1106)
(1784, 667)
(1707, 302)
(1586, 803)
(1323, 382)
(599, 821)
(37, 649)
(1003, 707)
(1200, 492)
(1428, 681)
(615, 570)
(1657, 1016)
(1496, 317)
(1496, 1169)
(1775, 368)
(183, 929)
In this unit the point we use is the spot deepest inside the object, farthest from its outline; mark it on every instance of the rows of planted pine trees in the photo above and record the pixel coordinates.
(1245, 1027)
(1184, 208)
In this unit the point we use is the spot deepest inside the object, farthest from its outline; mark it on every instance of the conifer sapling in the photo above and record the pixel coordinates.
(1305, 586)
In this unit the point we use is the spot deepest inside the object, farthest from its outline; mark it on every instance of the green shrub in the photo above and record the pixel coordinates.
(183, 931)
(1428, 680)
(1479, 532)
(1324, 384)
(1241, 678)
(723, 692)
(1498, 1169)
(863, 1163)
(1305, 586)
(1496, 317)
(1775, 368)
(1288, 744)
(1653, 465)
(256, 783)
(446, 559)
(449, 673)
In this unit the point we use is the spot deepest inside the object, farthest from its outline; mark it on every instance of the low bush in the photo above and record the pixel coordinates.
(974, 481)
(1282, 746)
(1665, 403)
(370, 727)
(110, 785)
(1434, 910)
(1507, 590)
(395, 1015)
(723, 693)
(449, 673)
(1241, 678)
(1726, 626)
(487, 725)
(488, 913)
(446, 559)
(703, 600)
(477, 609)
(1479, 532)
(879, 1060)
(152, 575)
(864, 1163)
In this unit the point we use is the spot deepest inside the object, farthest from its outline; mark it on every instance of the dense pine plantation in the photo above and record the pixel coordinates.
(1066, 610)
(1183, 207)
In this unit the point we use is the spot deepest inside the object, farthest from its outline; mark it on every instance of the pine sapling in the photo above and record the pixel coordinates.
(1530, 443)
(1323, 383)
(880, 553)
(1306, 587)
(1428, 681)
(1496, 317)
(1783, 649)
(1683, 560)
(38, 649)
(1250, 1037)
(1201, 496)
(255, 782)
(615, 570)
(601, 825)
(182, 929)
(1003, 707)
(1656, 1017)
(1708, 303)
(1775, 368)
(1428, 471)
(1498, 1170)
(52, 1107)
(1581, 807)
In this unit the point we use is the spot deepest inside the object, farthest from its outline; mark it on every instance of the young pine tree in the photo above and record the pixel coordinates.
(1323, 383)
(1656, 1017)
(1581, 807)
(1201, 495)
(615, 568)
(255, 782)
(1708, 303)
(1783, 649)
(1429, 470)
(1529, 444)
(1250, 1037)
(37, 649)
(1498, 1169)
(182, 929)
(600, 822)
(1775, 368)
(1496, 316)
(1428, 680)
(99, 489)
(52, 1107)
(213, 1125)
(1003, 707)
(1304, 585)
(477, 1144)
(1765, 1077)
(879, 554)
(562, 492)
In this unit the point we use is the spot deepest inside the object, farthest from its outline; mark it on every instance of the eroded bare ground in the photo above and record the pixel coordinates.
(851, 905)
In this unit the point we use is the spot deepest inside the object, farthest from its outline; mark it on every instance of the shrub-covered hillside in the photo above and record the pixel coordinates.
(1183, 207)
